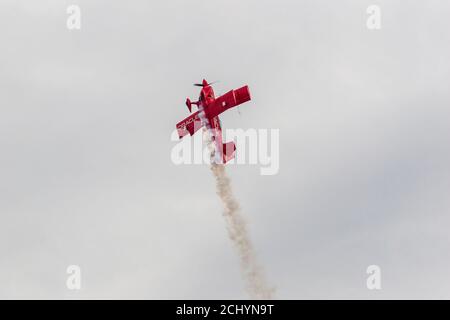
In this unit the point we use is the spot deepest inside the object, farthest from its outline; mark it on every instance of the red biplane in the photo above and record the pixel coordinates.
(209, 108)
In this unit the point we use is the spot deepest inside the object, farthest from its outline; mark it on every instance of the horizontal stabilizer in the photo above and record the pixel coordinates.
(229, 149)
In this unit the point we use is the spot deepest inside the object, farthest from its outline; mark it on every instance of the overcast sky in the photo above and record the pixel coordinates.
(86, 176)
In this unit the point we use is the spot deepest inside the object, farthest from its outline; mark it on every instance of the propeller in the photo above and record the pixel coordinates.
(203, 85)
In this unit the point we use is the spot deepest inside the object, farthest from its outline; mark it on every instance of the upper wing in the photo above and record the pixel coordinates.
(229, 100)
(189, 125)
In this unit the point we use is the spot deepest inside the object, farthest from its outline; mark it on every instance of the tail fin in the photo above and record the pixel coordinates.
(229, 149)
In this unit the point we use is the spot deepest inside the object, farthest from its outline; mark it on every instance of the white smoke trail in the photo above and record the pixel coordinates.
(253, 274)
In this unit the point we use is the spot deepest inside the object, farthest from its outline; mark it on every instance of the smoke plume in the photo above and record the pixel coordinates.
(253, 274)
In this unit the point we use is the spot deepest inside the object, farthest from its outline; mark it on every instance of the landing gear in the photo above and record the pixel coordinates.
(189, 104)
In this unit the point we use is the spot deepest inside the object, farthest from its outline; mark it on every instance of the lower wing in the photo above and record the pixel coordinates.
(189, 125)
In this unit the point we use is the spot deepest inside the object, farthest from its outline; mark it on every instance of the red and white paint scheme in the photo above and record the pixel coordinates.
(209, 108)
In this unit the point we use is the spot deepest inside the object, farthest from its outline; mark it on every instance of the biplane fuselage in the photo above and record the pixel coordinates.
(209, 108)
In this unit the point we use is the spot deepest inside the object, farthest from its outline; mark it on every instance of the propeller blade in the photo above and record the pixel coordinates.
(201, 84)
